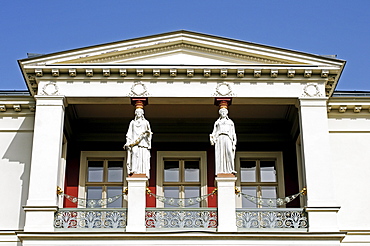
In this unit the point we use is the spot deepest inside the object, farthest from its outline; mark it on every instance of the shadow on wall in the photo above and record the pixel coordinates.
(19, 152)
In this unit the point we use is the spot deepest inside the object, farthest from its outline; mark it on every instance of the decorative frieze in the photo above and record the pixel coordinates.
(207, 73)
(274, 73)
(139, 72)
(32, 107)
(55, 72)
(106, 72)
(311, 90)
(173, 72)
(291, 73)
(156, 72)
(257, 73)
(138, 89)
(39, 72)
(89, 72)
(324, 73)
(190, 72)
(223, 89)
(50, 89)
(307, 73)
(223, 73)
(2, 108)
(17, 108)
(342, 109)
(72, 72)
(240, 73)
(123, 72)
(357, 109)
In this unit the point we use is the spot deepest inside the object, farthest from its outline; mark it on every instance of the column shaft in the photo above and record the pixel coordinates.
(45, 161)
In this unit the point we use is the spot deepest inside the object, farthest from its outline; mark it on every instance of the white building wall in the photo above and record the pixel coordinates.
(16, 132)
(350, 142)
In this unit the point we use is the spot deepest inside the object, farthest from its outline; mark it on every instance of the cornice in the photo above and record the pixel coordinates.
(143, 52)
(17, 105)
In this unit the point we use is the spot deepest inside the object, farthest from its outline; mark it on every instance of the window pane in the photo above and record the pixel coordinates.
(114, 191)
(192, 192)
(251, 191)
(171, 192)
(269, 192)
(115, 171)
(268, 172)
(191, 171)
(95, 171)
(248, 171)
(94, 192)
(171, 171)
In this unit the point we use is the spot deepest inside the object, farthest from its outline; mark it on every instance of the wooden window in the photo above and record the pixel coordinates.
(102, 175)
(260, 175)
(181, 175)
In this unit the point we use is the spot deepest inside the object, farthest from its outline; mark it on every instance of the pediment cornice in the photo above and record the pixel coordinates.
(114, 57)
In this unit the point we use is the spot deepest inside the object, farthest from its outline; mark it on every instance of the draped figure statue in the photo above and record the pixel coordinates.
(224, 139)
(138, 144)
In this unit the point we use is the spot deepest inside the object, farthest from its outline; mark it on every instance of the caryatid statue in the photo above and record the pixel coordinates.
(138, 143)
(224, 139)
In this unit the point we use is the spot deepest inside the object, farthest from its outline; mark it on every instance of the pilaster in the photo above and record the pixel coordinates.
(136, 201)
(45, 161)
(226, 204)
(316, 154)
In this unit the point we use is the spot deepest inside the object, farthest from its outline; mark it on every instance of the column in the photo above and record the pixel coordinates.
(316, 155)
(45, 161)
(226, 203)
(136, 202)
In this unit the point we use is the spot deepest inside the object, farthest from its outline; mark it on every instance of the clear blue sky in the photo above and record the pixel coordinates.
(324, 27)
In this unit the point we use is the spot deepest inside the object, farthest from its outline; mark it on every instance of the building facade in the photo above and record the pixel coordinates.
(301, 163)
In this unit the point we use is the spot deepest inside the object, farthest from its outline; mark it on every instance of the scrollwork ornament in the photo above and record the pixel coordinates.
(50, 89)
(311, 90)
(223, 89)
(138, 89)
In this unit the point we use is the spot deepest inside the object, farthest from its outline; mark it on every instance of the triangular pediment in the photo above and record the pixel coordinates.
(181, 48)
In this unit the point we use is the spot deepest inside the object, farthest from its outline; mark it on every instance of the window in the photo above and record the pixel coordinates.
(260, 174)
(102, 175)
(181, 175)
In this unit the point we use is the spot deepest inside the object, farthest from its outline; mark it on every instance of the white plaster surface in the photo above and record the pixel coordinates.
(15, 153)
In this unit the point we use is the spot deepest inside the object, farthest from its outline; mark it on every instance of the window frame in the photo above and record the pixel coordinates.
(106, 155)
(181, 155)
(277, 155)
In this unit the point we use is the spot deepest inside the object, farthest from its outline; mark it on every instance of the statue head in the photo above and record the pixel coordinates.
(139, 113)
(223, 112)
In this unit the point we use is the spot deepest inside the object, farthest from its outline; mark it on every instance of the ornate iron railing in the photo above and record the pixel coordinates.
(90, 218)
(191, 218)
(271, 218)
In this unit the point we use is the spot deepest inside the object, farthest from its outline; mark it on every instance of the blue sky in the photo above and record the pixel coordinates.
(323, 27)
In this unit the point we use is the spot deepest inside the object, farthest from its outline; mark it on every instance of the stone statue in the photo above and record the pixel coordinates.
(138, 144)
(224, 139)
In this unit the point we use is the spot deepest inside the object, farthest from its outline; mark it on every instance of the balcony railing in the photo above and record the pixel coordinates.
(90, 218)
(294, 218)
(181, 218)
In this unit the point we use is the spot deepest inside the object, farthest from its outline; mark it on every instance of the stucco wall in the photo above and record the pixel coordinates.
(350, 143)
(16, 132)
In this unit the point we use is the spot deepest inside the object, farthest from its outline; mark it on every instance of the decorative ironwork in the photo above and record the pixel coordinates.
(82, 218)
(180, 219)
(92, 203)
(271, 202)
(280, 218)
(181, 202)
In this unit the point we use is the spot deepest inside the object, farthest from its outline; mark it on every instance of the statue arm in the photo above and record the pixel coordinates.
(128, 136)
(213, 135)
(149, 135)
